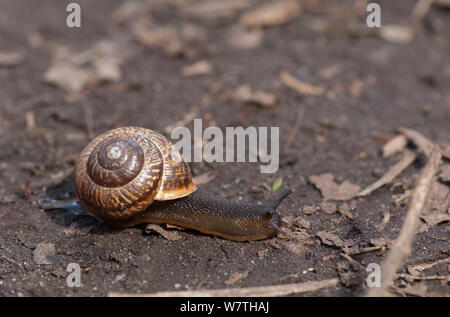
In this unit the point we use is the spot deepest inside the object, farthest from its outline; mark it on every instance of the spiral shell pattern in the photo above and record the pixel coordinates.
(122, 171)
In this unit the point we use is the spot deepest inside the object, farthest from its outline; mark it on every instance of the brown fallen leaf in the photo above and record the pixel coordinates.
(245, 94)
(169, 235)
(270, 14)
(394, 145)
(70, 77)
(328, 207)
(397, 169)
(296, 222)
(9, 59)
(333, 191)
(345, 210)
(77, 72)
(432, 219)
(300, 87)
(330, 239)
(199, 68)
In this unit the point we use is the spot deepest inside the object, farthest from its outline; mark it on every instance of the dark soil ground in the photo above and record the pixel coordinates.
(378, 86)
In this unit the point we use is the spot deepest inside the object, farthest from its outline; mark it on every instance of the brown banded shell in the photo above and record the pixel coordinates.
(123, 170)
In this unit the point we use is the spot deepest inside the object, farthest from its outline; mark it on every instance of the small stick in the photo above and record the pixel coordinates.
(258, 291)
(396, 170)
(402, 246)
(421, 9)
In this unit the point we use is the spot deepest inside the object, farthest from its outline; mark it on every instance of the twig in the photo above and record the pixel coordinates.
(4, 257)
(364, 250)
(409, 277)
(421, 267)
(402, 246)
(352, 261)
(295, 129)
(259, 291)
(396, 170)
(421, 9)
(424, 144)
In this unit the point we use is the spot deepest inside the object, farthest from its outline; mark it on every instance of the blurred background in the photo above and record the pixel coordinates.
(337, 89)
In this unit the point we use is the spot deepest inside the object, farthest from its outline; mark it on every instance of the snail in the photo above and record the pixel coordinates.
(131, 175)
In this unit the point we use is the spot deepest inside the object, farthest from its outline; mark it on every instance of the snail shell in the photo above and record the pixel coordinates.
(123, 171)
(131, 175)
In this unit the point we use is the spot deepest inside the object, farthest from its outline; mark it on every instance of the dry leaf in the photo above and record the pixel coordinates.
(199, 68)
(328, 207)
(293, 222)
(273, 13)
(394, 145)
(169, 235)
(70, 77)
(331, 190)
(245, 94)
(344, 209)
(300, 87)
(398, 34)
(396, 170)
(76, 72)
(432, 219)
(330, 239)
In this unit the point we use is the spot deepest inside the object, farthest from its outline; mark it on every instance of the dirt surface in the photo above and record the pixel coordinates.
(372, 87)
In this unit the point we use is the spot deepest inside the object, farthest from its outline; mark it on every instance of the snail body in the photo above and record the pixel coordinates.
(130, 175)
